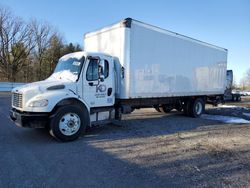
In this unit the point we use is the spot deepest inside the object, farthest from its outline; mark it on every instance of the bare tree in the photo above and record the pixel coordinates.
(29, 51)
(245, 80)
(42, 34)
(54, 52)
(248, 75)
(15, 42)
(234, 84)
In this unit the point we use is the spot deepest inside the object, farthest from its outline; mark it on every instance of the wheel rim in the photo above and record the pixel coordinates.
(69, 124)
(198, 108)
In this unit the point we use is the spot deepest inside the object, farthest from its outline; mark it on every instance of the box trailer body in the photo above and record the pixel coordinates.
(160, 63)
(126, 66)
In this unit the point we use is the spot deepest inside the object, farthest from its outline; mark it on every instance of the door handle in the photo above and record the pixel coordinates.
(109, 91)
(91, 83)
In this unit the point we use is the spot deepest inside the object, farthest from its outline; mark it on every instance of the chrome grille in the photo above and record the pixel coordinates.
(17, 100)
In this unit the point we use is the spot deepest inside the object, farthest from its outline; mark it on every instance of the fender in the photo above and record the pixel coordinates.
(68, 101)
(54, 98)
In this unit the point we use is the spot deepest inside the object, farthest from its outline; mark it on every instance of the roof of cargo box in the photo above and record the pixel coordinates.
(127, 22)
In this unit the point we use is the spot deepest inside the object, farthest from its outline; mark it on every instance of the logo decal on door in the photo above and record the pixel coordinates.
(101, 91)
(100, 88)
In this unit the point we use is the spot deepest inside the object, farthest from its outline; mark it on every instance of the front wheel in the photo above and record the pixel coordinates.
(68, 123)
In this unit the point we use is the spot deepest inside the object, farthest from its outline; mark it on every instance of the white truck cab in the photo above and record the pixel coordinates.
(125, 66)
(81, 81)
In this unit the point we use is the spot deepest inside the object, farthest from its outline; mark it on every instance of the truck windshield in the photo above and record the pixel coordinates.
(68, 69)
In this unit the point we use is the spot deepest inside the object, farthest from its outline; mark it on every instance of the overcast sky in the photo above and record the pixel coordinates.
(225, 23)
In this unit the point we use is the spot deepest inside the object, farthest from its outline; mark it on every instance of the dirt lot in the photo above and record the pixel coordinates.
(147, 149)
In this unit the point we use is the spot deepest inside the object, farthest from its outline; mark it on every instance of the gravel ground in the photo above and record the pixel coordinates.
(147, 149)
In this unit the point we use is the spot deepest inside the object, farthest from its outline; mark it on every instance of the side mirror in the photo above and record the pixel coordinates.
(101, 77)
(101, 70)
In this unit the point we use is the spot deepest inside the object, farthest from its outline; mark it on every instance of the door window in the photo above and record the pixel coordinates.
(106, 69)
(92, 71)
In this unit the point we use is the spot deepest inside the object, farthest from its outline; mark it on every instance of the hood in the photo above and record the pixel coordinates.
(37, 89)
(52, 83)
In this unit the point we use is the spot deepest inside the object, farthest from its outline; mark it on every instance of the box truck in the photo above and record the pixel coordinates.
(126, 66)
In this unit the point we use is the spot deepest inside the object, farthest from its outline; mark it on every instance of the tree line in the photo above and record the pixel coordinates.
(245, 81)
(29, 51)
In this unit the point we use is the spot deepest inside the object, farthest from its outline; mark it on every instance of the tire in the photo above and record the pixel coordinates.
(165, 108)
(132, 110)
(69, 122)
(196, 107)
(238, 98)
(157, 108)
(233, 98)
(186, 107)
(179, 107)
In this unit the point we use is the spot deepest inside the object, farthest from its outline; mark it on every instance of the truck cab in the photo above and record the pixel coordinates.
(70, 99)
(229, 95)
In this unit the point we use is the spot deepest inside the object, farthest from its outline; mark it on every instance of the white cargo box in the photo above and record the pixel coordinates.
(159, 63)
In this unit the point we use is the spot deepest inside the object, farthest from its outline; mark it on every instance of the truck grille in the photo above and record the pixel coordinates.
(17, 100)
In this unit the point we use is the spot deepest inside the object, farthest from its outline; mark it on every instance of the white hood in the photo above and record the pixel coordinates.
(37, 89)
(42, 86)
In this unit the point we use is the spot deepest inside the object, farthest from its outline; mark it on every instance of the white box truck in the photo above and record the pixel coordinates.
(126, 66)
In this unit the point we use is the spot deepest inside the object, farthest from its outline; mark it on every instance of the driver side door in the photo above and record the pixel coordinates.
(99, 92)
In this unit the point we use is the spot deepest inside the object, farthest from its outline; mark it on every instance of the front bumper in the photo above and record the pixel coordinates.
(29, 119)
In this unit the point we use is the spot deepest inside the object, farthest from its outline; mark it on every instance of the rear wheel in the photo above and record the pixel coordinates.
(187, 107)
(69, 122)
(165, 108)
(157, 108)
(196, 107)
(233, 98)
(179, 106)
(238, 98)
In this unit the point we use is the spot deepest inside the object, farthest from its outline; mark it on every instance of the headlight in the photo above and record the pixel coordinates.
(39, 103)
